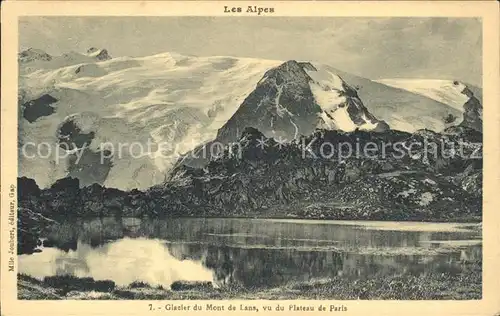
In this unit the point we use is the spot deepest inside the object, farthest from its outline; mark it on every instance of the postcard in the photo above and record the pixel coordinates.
(241, 158)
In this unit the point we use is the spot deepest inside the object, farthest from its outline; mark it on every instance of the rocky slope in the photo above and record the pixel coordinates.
(293, 99)
(31, 224)
(94, 100)
(288, 180)
(473, 111)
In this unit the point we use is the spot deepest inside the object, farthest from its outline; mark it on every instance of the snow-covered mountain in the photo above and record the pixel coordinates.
(94, 102)
(448, 92)
(294, 99)
(178, 101)
(34, 59)
(465, 98)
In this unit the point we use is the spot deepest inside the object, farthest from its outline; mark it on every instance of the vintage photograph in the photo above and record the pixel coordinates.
(249, 158)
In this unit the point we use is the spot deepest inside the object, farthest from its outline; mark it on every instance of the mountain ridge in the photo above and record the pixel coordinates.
(294, 181)
(165, 98)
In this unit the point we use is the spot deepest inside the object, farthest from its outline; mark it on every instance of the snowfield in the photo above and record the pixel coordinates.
(330, 92)
(445, 91)
(179, 102)
(175, 100)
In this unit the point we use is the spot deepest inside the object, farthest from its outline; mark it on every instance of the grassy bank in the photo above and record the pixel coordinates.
(465, 285)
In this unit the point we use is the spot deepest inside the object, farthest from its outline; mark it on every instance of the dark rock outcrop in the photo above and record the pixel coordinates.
(32, 54)
(88, 165)
(31, 224)
(39, 107)
(473, 112)
(99, 54)
(70, 136)
(103, 55)
(91, 167)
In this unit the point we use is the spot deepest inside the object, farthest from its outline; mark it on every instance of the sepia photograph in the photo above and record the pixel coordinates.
(248, 156)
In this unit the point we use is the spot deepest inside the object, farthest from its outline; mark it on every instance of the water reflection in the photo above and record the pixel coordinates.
(246, 252)
(257, 267)
(123, 261)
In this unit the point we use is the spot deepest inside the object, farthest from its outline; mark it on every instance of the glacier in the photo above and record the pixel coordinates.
(179, 100)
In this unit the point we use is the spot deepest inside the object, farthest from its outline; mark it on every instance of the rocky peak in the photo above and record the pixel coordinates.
(291, 100)
(32, 54)
(289, 72)
(99, 54)
(473, 112)
(282, 105)
(103, 55)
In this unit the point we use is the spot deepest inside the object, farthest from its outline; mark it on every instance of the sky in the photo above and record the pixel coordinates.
(375, 48)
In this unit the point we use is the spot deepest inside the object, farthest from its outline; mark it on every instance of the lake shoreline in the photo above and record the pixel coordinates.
(437, 220)
(33, 225)
(466, 285)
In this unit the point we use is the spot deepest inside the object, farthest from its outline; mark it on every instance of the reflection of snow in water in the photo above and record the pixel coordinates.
(123, 261)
